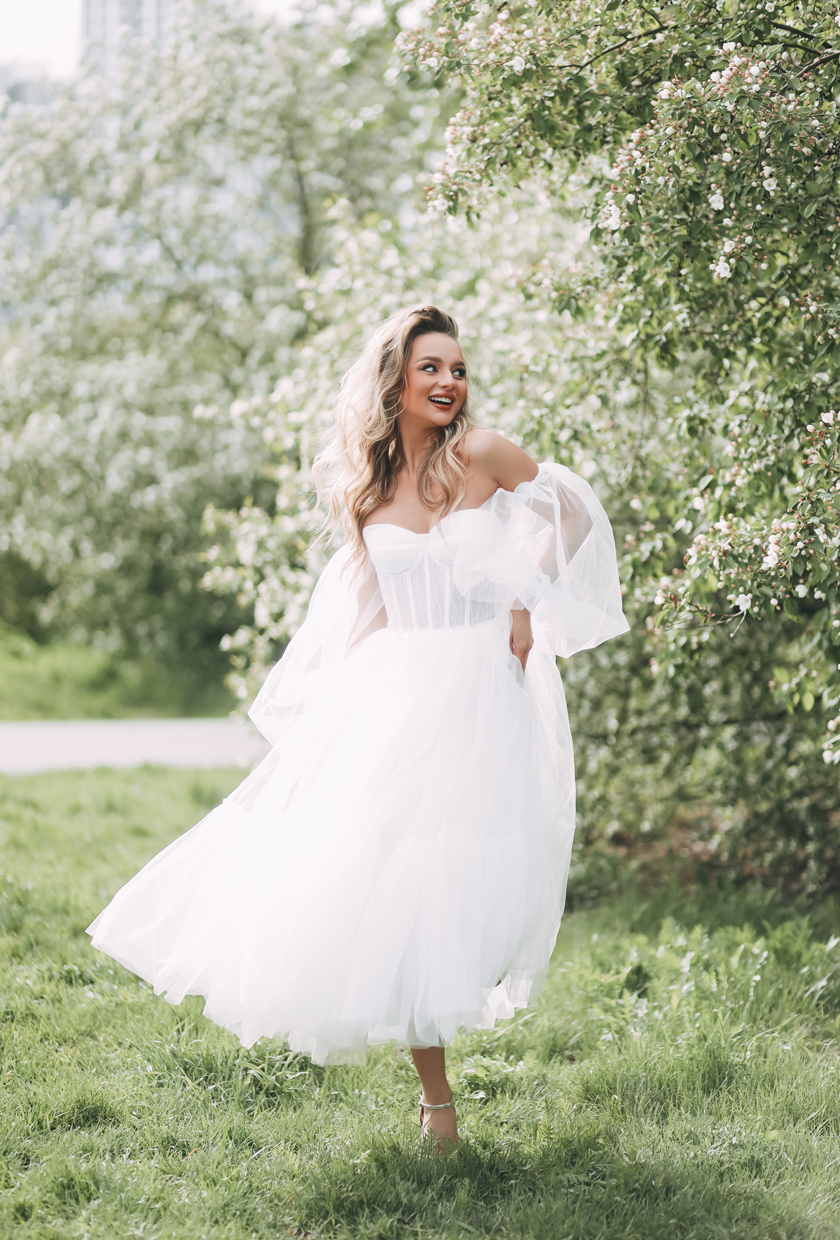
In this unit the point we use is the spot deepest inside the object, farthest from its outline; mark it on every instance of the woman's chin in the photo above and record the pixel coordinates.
(441, 416)
(436, 420)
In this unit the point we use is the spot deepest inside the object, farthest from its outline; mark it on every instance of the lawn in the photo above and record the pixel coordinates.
(678, 1077)
(64, 680)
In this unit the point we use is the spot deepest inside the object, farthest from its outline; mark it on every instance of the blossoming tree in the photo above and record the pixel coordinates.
(709, 135)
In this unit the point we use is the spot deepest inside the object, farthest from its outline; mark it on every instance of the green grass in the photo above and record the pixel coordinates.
(673, 1081)
(67, 681)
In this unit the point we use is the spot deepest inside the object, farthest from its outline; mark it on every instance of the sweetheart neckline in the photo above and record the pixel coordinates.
(389, 525)
(425, 533)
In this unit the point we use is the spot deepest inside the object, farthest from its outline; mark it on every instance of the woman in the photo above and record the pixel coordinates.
(395, 869)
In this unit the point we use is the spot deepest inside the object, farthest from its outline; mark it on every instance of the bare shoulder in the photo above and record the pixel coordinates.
(489, 452)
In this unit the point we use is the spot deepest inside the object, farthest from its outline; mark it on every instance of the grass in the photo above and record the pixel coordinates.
(67, 681)
(676, 1079)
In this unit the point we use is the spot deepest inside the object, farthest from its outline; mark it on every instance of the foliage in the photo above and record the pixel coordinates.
(701, 141)
(718, 220)
(154, 227)
(671, 1080)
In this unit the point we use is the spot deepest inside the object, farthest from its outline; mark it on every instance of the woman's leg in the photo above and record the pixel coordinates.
(430, 1062)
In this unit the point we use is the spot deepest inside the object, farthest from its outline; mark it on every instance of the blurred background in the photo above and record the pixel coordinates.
(205, 206)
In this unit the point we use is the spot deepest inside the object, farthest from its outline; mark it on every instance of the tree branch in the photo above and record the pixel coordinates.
(821, 60)
(631, 38)
(800, 34)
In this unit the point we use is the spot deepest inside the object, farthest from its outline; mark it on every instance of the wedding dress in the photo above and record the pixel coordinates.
(395, 869)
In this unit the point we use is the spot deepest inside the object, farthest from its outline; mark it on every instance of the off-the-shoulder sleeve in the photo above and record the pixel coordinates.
(345, 608)
(548, 546)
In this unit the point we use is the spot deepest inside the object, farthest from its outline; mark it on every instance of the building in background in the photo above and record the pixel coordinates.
(104, 20)
(105, 23)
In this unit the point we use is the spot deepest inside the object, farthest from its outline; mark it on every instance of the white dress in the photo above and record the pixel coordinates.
(396, 866)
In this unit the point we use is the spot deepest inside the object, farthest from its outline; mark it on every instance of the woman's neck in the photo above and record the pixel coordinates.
(415, 438)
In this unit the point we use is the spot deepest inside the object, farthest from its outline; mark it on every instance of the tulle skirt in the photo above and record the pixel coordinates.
(394, 870)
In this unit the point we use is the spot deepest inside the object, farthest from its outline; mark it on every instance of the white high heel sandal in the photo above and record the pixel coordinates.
(425, 1130)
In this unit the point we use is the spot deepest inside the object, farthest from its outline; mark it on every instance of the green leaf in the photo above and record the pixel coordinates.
(790, 607)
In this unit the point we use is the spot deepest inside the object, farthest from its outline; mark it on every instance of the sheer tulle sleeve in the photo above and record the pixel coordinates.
(548, 546)
(345, 608)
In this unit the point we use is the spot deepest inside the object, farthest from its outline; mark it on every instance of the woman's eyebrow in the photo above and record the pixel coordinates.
(430, 358)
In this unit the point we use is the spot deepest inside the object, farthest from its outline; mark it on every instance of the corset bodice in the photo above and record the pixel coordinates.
(546, 546)
(417, 579)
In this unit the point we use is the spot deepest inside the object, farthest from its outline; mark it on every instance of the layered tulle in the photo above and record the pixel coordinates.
(396, 867)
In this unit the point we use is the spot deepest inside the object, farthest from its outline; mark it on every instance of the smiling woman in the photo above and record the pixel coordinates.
(401, 418)
(396, 867)
(441, 380)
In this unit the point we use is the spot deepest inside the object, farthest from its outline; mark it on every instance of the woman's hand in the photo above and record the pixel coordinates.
(521, 637)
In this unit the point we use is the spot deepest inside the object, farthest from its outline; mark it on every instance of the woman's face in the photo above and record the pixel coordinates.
(436, 380)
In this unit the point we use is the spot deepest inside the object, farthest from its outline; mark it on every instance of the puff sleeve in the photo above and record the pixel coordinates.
(548, 546)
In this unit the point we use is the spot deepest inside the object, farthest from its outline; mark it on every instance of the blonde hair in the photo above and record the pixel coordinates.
(357, 471)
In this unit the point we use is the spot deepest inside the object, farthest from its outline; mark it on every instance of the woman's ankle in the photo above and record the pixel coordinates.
(436, 1095)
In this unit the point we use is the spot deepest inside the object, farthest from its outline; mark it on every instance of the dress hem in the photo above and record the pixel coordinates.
(303, 1042)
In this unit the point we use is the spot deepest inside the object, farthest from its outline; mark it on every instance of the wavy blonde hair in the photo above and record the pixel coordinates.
(357, 471)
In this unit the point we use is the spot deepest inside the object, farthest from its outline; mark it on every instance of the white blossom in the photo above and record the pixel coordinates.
(611, 215)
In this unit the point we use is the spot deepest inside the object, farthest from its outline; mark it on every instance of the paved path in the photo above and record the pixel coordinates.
(26, 748)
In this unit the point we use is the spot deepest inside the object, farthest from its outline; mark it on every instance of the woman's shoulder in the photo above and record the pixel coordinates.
(491, 452)
(480, 441)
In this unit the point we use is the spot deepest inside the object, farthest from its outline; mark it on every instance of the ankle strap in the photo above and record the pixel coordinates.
(435, 1106)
